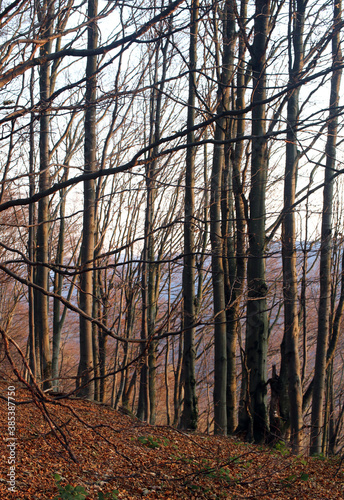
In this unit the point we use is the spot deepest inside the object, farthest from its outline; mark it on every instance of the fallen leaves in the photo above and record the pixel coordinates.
(115, 451)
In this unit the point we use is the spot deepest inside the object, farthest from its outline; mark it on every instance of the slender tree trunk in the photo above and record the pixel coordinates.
(42, 275)
(58, 282)
(229, 265)
(290, 353)
(217, 246)
(178, 386)
(143, 402)
(220, 384)
(257, 320)
(241, 216)
(167, 381)
(34, 347)
(102, 344)
(87, 246)
(326, 247)
(190, 409)
(95, 332)
(237, 257)
(146, 406)
(303, 309)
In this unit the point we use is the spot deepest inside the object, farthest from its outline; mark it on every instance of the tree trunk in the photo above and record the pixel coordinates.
(178, 386)
(217, 244)
(87, 246)
(237, 257)
(290, 352)
(257, 320)
(58, 283)
(326, 247)
(42, 275)
(102, 344)
(34, 346)
(190, 409)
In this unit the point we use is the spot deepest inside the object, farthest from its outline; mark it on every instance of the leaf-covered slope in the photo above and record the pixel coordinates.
(114, 451)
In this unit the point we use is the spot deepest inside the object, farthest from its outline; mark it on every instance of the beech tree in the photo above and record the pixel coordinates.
(290, 345)
(86, 363)
(257, 324)
(46, 19)
(190, 411)
(326, 241)
(220, 331)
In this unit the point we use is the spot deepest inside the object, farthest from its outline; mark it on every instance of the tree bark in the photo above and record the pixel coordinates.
(190, 408)
(87, 246)
(237, 267)
(257, 320)
(217, 244)
(58, 283)
(42, 275)
(290, 351)
(326, 247)
(34, 346)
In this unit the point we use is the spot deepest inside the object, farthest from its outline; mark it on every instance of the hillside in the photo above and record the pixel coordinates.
(115, 451)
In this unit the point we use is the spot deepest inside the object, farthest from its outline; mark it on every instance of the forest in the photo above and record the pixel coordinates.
(171, 210)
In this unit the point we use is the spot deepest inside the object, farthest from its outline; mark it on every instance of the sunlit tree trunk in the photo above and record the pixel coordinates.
(58, 283)
(46, 14)
(326, 246)
(33, 334)
(87, 247)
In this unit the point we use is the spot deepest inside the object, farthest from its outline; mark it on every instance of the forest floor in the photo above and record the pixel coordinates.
(115, 452)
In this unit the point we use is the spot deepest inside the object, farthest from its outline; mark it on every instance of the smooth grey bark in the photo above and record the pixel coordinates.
(129, 324)
(178, 386)
(303, 310)
(217, 247)
(237, 248)
(229, 268)
(34, 346)
(167, 352)
(85, 372)
(290, 349)
(190, 407)
(58, 283)
(143, 402)
(102, 343)
(46, 15)
(147, 396)
(241, 207)
(95, 328)
(257, 320)
(326, 245)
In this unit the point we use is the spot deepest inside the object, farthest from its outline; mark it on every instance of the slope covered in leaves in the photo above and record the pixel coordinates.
(104, 450)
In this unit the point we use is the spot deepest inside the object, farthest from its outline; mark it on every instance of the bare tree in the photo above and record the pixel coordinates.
(46, 18)
(190, 410)
(290, 344)
(85, 371)
(326, 242)
(257, 323)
